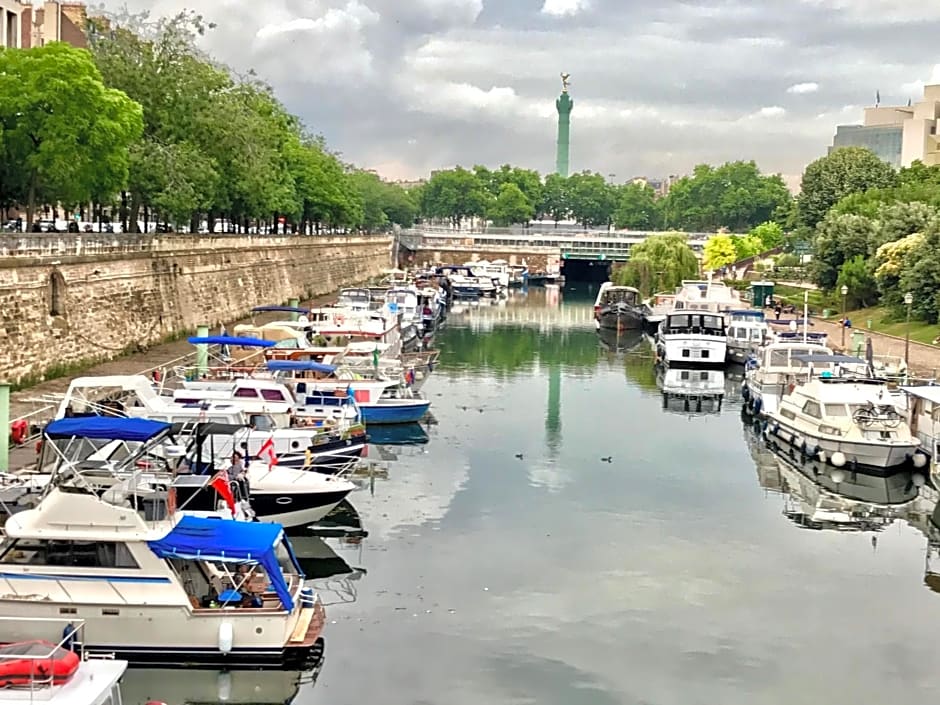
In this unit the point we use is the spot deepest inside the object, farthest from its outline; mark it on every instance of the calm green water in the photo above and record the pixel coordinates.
(684, 570)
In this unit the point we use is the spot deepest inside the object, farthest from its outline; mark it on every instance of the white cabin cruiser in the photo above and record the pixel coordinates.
(779, 366)
(356, 299)
(168, 588)
(747, 332)
(845, 420)
(496, 271)
(688, 337)
(334, 445)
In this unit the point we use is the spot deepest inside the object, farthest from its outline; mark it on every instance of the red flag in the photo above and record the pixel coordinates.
(267, 448)
(219, 483)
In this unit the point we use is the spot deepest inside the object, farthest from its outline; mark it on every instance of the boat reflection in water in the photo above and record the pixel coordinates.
(184, 686)
(615, 341)
(822, 497)
(404, 434)
(328, 573)
(691, 391)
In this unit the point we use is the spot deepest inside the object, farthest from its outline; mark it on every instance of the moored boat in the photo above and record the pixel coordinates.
(845, 421)
(618, 307)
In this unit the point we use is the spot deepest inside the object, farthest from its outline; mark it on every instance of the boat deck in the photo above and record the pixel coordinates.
(90, 685)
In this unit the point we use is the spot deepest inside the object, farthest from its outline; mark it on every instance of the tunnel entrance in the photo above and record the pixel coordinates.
(585, 270)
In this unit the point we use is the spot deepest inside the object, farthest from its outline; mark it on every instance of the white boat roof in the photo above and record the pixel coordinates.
(72, 516)
(844, 391)
(90, 685)
(928, 392)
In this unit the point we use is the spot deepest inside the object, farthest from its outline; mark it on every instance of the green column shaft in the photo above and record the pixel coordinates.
(564, 105)
(294, 303)
(5, 425)
(202, 351)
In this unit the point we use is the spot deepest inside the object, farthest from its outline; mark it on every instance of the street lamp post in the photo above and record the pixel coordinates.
(908, 299)
(845, 292)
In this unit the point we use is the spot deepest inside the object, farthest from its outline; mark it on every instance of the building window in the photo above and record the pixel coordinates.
(56, 293)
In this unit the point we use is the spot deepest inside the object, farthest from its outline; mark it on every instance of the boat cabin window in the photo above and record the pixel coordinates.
(811, 408)
(836, 411)
(81, 554)
(272, 395)
(261, 422)
(246, 393)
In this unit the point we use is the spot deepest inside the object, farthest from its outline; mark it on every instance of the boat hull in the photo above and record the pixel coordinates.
(409, 412)
(694, 350)
(620, 319)
(179, 636)
(872, 455)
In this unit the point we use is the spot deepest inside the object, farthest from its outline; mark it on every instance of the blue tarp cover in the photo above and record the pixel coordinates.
(299, 366)
(229, 541)
(746, 312)
(232, 340)
(280, 309)
(106, 428)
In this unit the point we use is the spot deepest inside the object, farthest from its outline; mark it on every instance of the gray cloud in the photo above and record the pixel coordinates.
(407, 87)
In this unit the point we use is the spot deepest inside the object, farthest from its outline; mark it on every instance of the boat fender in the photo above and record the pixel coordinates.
(919, 460)
(758, 404)
(226, 637)
(745, 392)
(838, 459)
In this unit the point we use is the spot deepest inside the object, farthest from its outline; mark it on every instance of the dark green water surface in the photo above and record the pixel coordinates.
(691, 568)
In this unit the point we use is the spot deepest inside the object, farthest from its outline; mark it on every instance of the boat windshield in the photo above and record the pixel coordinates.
(620, 296)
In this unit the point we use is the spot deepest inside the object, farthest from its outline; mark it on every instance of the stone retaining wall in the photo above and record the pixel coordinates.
(88, 306)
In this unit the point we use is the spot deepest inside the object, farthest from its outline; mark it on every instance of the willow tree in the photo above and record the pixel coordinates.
(659, 263)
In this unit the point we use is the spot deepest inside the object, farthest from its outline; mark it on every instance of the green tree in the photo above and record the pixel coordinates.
(921, 274)
(857, 276)
(372, 194)
(839, 238)
(636, 207)
(889, 263)
(770, 235)
(67, 132)
(659, 263)
(455, 194)
(719, 252)
(845, 171)
(511, 206)
(555, 203)
(591, 199)
(734, 196)
(746, 246)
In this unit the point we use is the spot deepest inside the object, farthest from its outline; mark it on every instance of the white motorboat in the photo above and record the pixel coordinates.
(923, 415)
(334, 445)
(46, 669)
(354, 299)
(497, 272)
(656, 308)
(688, 337)
(154, 587)
(845, 421)
(779, 366)
(747, 331)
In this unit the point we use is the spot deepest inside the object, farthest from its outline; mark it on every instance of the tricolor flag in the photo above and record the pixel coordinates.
(267, 449)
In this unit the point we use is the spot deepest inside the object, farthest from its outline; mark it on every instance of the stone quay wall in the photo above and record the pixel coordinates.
(68, 301)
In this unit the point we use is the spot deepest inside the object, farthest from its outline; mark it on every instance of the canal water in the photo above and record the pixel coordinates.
(559, 534)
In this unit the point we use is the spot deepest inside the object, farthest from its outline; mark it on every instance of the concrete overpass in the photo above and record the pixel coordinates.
(542, 247)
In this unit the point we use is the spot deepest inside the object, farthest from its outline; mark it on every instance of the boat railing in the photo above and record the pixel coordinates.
(34, 670)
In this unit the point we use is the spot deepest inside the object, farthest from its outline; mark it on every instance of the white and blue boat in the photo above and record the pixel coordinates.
(160, 587)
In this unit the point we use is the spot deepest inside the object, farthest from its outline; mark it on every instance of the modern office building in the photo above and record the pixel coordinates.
(900, 135)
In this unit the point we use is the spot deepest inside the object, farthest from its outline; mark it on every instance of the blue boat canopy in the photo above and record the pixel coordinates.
(228, 541)
(232, 340)
(106, 428)
(300, 366)
(280, 309)
(746, 312)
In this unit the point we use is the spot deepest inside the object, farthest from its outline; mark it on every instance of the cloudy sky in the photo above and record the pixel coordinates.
(406, 86)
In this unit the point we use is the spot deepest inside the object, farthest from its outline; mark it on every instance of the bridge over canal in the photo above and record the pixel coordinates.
(578, 254)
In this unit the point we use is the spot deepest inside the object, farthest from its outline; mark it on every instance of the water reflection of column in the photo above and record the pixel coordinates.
(553, 413)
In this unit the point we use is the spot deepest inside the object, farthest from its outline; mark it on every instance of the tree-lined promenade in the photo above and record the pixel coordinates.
(143, 128)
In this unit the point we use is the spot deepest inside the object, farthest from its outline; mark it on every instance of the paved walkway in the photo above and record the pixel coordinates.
(924, 359)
